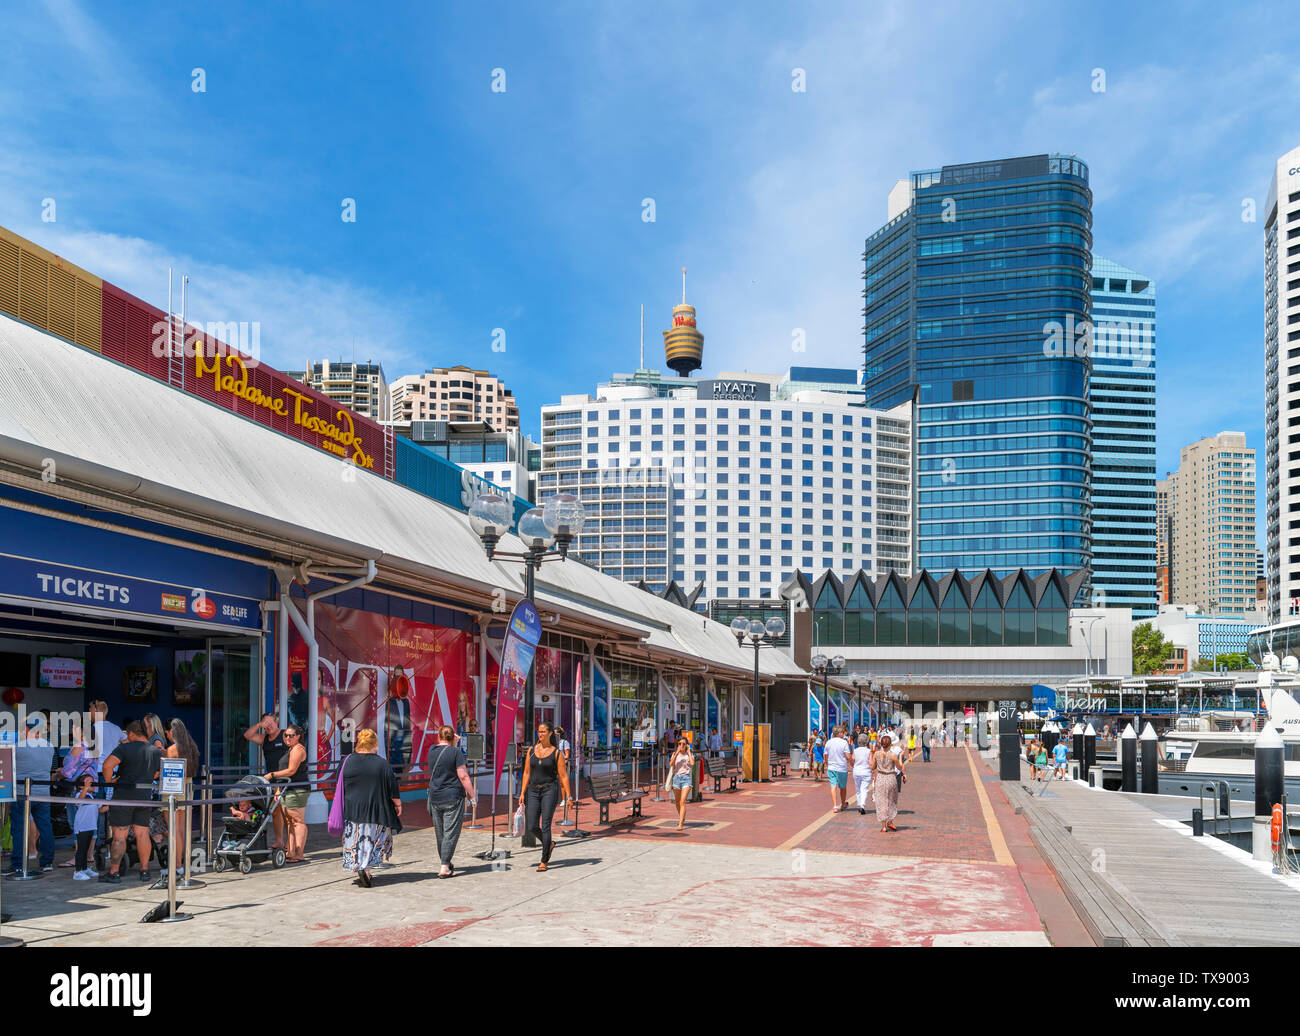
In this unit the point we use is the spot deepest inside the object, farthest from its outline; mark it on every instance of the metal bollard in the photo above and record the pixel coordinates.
(1198, 823)
(1150, 768)
(1128, 758)
(1092, 778)
(1270, 787)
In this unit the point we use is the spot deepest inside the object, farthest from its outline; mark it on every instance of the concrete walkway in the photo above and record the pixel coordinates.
(766, 865)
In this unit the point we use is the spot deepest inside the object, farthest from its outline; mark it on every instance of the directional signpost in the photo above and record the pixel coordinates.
(1008, 741)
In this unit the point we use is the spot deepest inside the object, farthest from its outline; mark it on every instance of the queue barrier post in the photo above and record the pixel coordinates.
(207, 812)
(189, 882)
(473, 824)
(24, 875)
(172, 913)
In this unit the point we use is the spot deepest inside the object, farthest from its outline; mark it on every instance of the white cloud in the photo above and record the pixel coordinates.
(303, 316)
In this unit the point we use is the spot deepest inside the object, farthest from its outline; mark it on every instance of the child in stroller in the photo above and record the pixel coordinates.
(244, 838)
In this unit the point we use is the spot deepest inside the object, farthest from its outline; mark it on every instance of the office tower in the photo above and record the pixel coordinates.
(358, 386)
(977, 298)
(1213, 505)
(455, 394)
(1164, 534)
(1282, 387)
(723, 484)
(1122, 394)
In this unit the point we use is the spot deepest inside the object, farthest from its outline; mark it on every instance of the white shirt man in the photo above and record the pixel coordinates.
(837, 768)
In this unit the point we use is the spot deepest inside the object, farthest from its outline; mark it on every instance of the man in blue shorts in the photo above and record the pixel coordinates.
(837, 754)
(1059, 754)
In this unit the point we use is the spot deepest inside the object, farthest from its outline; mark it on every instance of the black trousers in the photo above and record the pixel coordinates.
(540, 801)
(85, 839)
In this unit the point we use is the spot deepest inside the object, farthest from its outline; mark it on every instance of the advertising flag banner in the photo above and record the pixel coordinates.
(814, 711)
(523, 633)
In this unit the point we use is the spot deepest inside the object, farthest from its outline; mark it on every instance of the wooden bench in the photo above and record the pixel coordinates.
(719, 770)
(608, 788)
(776, 763)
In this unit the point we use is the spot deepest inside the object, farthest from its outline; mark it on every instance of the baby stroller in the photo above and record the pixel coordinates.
(247, 841)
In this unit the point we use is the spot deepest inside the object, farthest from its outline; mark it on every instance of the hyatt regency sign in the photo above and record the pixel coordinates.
(742, 391)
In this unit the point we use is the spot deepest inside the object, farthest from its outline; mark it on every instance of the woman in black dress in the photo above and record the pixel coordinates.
(372, 807)
(544, 777)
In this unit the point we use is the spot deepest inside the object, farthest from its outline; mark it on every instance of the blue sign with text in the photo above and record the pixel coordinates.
(67, 585)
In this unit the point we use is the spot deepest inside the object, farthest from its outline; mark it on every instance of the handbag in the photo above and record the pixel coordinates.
(335, 825)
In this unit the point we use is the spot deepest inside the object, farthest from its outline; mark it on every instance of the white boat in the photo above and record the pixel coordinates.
(1219, 746)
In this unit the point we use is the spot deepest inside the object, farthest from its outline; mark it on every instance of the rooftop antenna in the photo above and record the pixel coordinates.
(642, 367)
(683, 285)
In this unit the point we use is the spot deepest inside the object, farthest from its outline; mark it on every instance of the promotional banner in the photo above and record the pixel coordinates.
(600, 706)
(711, 714)
(401, 678)
(832, 711)
(522, 635)
(814, 711)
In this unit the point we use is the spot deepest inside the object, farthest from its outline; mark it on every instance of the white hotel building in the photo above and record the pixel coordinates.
(1282, 389)
(720, 483)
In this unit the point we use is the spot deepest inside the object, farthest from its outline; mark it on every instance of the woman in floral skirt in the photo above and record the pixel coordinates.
(884, 766)
(372, 807)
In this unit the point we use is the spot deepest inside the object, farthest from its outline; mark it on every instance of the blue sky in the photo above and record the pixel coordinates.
(523, 210)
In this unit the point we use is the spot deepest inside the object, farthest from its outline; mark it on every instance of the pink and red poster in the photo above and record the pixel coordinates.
(400, 678)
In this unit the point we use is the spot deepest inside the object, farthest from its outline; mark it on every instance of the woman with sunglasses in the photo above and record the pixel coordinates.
(679, 776)
(544, 777)
(294, 798)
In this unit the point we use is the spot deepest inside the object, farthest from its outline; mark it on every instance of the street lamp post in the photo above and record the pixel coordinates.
(757, 633)
(547, 532)
(823, 666)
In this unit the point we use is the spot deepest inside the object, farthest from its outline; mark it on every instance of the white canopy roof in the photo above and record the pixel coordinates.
(130, 443)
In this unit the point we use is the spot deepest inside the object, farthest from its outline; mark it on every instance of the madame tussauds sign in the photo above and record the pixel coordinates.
(338, 436)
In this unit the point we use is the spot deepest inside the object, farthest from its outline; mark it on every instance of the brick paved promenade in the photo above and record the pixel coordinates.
(765, 865)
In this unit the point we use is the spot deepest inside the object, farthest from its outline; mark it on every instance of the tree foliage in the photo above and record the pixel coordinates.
(1151, 649)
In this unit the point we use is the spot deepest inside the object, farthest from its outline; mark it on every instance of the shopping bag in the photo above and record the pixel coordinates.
(517, 824)
(335, 823)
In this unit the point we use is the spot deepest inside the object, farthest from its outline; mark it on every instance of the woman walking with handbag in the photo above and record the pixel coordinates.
(449, 787)
(372, 807)
(544, 778)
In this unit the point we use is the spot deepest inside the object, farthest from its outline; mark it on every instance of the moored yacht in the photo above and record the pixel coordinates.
(1219, 745)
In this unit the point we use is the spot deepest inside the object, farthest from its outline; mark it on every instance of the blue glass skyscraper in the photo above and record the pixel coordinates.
(1123, 398)
(977, 294)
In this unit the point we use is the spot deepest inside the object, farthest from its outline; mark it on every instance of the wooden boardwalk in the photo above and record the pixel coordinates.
(1137, 879)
